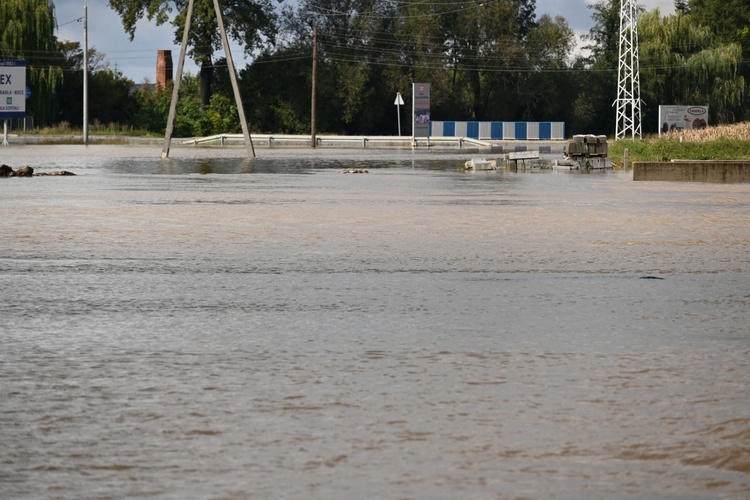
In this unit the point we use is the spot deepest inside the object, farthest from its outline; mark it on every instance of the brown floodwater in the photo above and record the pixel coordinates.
(215, 327)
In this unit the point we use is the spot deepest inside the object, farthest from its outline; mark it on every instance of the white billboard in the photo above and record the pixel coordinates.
(673, 118)
(12, 88)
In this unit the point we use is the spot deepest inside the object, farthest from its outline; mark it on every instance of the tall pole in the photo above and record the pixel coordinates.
(85, 74)
(233, 78)
(313, 138)
(628, 75)
(398, 102)
(176, 87)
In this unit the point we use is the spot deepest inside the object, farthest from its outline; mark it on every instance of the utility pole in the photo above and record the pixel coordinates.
(85, 74)
(178, 79)
(313, 138)
(233, 78)
(399, 102)
(628, 75)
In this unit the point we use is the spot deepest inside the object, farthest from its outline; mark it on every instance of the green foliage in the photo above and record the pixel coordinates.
(485, 61)
(109, 92)
(728, 19)
(684, 63)
(251, 23)
(151, 110)
(276, 93)
(222, 115)
(474, 54)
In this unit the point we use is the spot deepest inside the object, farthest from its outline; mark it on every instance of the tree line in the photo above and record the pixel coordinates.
(485, 59)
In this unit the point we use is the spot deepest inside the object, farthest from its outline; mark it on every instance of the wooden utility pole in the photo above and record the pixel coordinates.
(313, 139)
(232, 77)
(85, 74)
(177, 80)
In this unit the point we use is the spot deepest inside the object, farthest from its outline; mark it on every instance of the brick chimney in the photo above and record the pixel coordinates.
(163, 68)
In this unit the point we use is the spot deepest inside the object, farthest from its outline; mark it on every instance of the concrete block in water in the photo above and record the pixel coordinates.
(692, 171)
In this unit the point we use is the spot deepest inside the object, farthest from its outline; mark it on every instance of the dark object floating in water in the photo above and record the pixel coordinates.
(6, 171)
(651, 278)
(56, 172)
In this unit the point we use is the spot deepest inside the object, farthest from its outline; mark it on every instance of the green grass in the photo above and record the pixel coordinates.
(96, 128)
(655, 149)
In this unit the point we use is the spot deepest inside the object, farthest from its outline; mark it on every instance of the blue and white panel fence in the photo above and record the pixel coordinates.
(543, 131)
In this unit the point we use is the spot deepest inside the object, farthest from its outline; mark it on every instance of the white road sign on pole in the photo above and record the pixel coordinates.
(399, 102)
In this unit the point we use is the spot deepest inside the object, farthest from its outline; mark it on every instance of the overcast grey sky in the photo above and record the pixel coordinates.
(137, 59)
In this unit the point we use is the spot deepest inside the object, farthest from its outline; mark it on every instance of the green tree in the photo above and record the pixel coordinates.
(276, 92)
(548, 85)
(109, 91)
(151, 107)
(474, 53)
(683, 62)
(681, 6)
(249, 22)
(28, 33)
(729, 20)
(354, 42)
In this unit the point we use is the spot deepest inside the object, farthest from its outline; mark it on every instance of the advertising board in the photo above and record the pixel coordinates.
(673, 118)
(12, 88)
(421, 109)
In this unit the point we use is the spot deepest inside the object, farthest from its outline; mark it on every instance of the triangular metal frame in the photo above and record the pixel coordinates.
(628, 75)
(232, 77)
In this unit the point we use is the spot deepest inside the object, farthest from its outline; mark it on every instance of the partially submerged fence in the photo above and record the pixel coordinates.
(498, 131)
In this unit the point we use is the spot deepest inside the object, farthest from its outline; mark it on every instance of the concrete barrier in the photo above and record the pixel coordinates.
(692, 171)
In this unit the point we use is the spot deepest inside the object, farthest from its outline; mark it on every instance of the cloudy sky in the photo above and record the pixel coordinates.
(137, 59)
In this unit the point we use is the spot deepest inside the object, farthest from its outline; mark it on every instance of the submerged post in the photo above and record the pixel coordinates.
(85, 74)
(313, 105)
(233, 78)
(176, 87)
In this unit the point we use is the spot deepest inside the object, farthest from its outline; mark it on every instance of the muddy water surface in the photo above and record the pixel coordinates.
(213, 327)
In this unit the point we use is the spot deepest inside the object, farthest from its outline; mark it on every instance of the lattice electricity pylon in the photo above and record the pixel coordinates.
(628, 75)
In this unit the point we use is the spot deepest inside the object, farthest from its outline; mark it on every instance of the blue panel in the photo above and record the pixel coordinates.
(472, 130)
(521, 131)
(545, 130)
(496, 130)
(449, 129)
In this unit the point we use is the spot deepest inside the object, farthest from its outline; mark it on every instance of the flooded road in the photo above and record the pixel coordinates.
(215, 327)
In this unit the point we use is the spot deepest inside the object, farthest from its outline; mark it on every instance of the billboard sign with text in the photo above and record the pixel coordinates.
(420, 109)
(12, 89)
(672, 118)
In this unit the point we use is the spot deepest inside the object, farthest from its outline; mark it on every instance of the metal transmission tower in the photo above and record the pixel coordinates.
(628, 77)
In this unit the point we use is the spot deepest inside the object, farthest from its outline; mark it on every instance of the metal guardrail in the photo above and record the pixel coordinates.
(271, 140)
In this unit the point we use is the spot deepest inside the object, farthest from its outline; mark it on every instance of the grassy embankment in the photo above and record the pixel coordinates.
(63, 133)
(723, 142)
